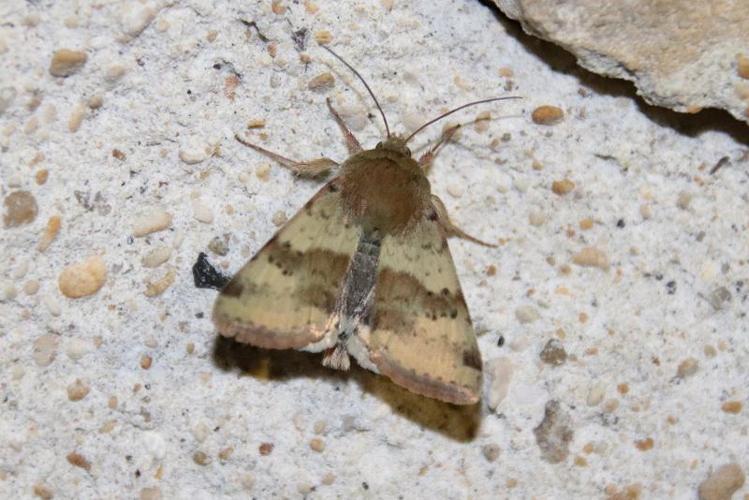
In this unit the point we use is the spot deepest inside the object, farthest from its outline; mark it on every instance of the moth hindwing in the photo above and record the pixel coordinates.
(364, 270)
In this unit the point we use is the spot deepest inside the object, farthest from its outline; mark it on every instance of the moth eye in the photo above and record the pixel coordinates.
(408, 151)
(379, 145)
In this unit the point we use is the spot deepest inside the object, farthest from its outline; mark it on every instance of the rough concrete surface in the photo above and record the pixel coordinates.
(680, 54)
(612, 316)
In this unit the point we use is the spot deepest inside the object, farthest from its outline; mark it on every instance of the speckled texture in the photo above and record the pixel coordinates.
(637, 268)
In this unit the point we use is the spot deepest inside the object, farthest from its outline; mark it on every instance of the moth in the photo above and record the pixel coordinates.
(363, 270)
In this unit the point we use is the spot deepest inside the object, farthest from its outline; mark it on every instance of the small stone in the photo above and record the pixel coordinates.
(256, 123)
(219, 245)
(687, 368)
(146, 361)
(195, 154)
(201, 458)
(553, 353)
(591, 257)
(683, 200)
(76, 348)
(156, 288)
(527, 314)
(75, 458)
(323, 37)
(265, 448)
(455, 190)
(499, 373)
(279, 218)
(554, 434)
(84, 278)
(490, 452)
(645, 444)
(31, 287)
(317, 444)
(152, 493)
(119, 155)
(547, 115)
(78, 390)
(562, 187)
(52, 305)
(202, 212)
(43, 491)
(95, 101)
(153, 220)
(114, 73)
(719, 297)
(7, 291)
(595, 395)
(742, 66)
(722, 483)
(225, 453)
(156, 256)
(76, 117)
(20, 209)
(66, 62)
(137, 18)
(322, 82)
(41, 176)
(536, 218)
(277, 7)
(50, 233)
(328, 479)
(731, 407)
(319, 427)
(45, 349)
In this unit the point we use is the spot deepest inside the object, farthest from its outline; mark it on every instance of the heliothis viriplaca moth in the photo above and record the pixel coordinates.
(364, 270)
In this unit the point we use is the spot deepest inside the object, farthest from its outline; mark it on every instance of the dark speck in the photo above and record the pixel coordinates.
(365, 485)
(199, 315)
(620, 223)
(501, 341)
(206, 276)
(658, 276)
(671, 287)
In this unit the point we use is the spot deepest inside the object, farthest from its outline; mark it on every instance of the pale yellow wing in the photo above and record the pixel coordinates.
(282, 298)
(421, 336)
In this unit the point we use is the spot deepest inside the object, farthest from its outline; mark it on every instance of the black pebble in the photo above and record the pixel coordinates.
(206, 276)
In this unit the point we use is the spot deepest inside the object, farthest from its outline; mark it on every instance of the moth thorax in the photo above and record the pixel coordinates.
(386, 193)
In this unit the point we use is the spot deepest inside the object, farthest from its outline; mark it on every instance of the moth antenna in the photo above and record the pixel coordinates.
(387, 127)
(482, 101)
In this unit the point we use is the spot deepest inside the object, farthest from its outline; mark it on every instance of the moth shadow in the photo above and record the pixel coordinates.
(459, 423)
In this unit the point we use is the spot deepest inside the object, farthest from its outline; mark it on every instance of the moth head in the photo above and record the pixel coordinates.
(396, 144)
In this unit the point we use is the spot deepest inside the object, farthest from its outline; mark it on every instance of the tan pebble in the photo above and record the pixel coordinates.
(50, 233)
(687, 368)
(591, 257)
(190, 347)
(547, 115)
(66, 62)
(75, 458)
(137, 18)
(20, 209)
(311, 7)
(482, 121)
(731, 407)
(231, 83)
(722, 483)
(248, 481)
(146, 361)
(156, 288)
(41, 176)
(491, 452)
(76, 117)
(388, 4)
(645, 444)
(114, 73)
(562, 187)
(278, 7)
(554, 433)
(279, 218)
(202, 212)
(43, 491)
(211, 35)
(95, 101)
(455, 190)
(683, 200)
(195, 155)
(491, 270)
(553, 353)
(78, 390)
(45, 349)
(328, 479)
(317, 444)
(152, 493)
(527, 314)
(84, 278)
(536, 218)
(646, 211)
(119, 155)
(107, 426)
(323, 81)
(319, 427)
(710, 351)
(155, 219)
(323, 37)
(256, 123)
(611, 405)
(742, 66)
(201, 458)
(586, 224)
(156, 256)
(263, 172)
(595, 395)
(265, 448)
(622, 388)
(31, 287)
(225, 453)
(112, 402)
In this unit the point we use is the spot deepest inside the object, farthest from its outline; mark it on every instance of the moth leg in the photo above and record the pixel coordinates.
(427, 158)
(309, 169)
(450, 228)
(351, 142)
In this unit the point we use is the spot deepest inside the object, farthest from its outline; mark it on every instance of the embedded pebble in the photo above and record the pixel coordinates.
(20, 209)
(76, 348)
(45, 349)
(52, 305)
(687, 368)
(595, 395)
(7, 290)
(31, 287)
(562, 187)
(195, 153)
(536, 218)
(322, 82)
(225, 453)
(742, 66)
(75, 458)
(84, 278)
(114, 73)
(491, 452)
(719, 297)
(317, 444)
(499, 373)
(456, 190)
(554, 434)
(50, 233)
(553, 353)
(202, 212)
(7, 95)
(156, 288)
(43, 491)
(156, 256)
(66, 62)
(591, 257)
(731, 407)
(279, 218)
(78, 390)
(136, 18)
(201, 458)
(328, 479)
(527, 314)
(219, 245)
(722, 483)
(323, 37)
(76, 117)
(152, 493)
(153, 220)
(547, 115)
